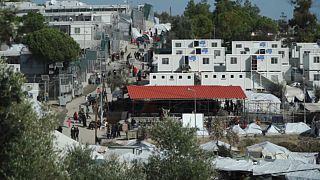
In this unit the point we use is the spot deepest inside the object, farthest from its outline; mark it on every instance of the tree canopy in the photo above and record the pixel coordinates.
(53, 45)
(31, 22)
(181, 157)
(304, 22)
(230, 20)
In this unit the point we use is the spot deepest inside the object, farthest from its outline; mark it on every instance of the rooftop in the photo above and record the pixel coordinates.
(185, 92)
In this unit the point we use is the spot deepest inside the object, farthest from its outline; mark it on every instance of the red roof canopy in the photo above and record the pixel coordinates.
(185, 92)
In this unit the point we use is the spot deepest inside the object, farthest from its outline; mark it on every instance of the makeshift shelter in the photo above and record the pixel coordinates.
(273, 130)
(288, 169)
(36, 106)
(63, 143)
(312, 107)
(267, 150)
(238, 130)
(293, 93)
(262, 102)
(296, 128)
(213, 146)
(135, 33)
(253, 129)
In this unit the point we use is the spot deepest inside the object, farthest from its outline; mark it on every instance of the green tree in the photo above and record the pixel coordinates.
(303, 21)
(201, 18)
(180, 156)
(32, 22)
(53, 45)
(8, 26)
(218, 128)
(232, 138)
(26, 140)
(79, 164)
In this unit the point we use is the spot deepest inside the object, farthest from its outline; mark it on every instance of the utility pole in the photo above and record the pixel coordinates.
(304, 98)
(95, 129)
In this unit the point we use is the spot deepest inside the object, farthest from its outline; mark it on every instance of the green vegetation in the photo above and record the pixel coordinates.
(241, 20)
(26, 141)
(306, 28)
(8, 25)
(181, 157)
(27, 146)
(53, 45)
(31, 22)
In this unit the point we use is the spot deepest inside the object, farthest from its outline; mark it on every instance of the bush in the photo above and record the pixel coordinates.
(223, 151)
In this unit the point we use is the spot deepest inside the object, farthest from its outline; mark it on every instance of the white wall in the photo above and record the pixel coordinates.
(16, 67)
(189, 43)
(85, 31)
(253, 46)
(173, 79)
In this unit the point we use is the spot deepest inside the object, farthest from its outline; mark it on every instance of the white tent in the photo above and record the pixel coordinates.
(262, 102)
(237, 129)
(135, 33)
(267, 149)
(212, 146)
(296, 128)
(273, 130)
(253, 129)
(293, 92)
(36, 106)
(291, 169)
(63, 143)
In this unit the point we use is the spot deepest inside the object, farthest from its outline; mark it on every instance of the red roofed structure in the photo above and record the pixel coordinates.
(185, 92)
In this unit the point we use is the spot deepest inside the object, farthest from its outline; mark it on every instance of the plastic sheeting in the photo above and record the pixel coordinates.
(135, 33)
(63, 143)
(212, 146)
(273, 130)
(296, 128)
(269, 150)
(262, 102)
(238, 130)
(292, 92)
(253, 129)
(292, 170)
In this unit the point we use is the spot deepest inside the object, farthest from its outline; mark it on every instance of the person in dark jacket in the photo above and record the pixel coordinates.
(76, 133)
(73, 135)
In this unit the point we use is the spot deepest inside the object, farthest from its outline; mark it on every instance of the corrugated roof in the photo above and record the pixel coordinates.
(185, 92)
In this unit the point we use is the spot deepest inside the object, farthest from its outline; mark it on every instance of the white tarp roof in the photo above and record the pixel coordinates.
(264, 97)
(238, 130)
(302, 175)
(63, 143)
(269, 149)
(135, 33)
(229, 164)
(253, 128)
(293, 92)
(36, 106)
(312, 107)
(280, 166)
(212, 146)
(293, 170)
(129, 157)
(273, 130)
(296, 128)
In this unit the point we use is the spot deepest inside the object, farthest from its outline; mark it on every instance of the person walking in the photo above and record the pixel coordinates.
(118, 130)
(69, 122)
(73, 132)
(76, 133)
